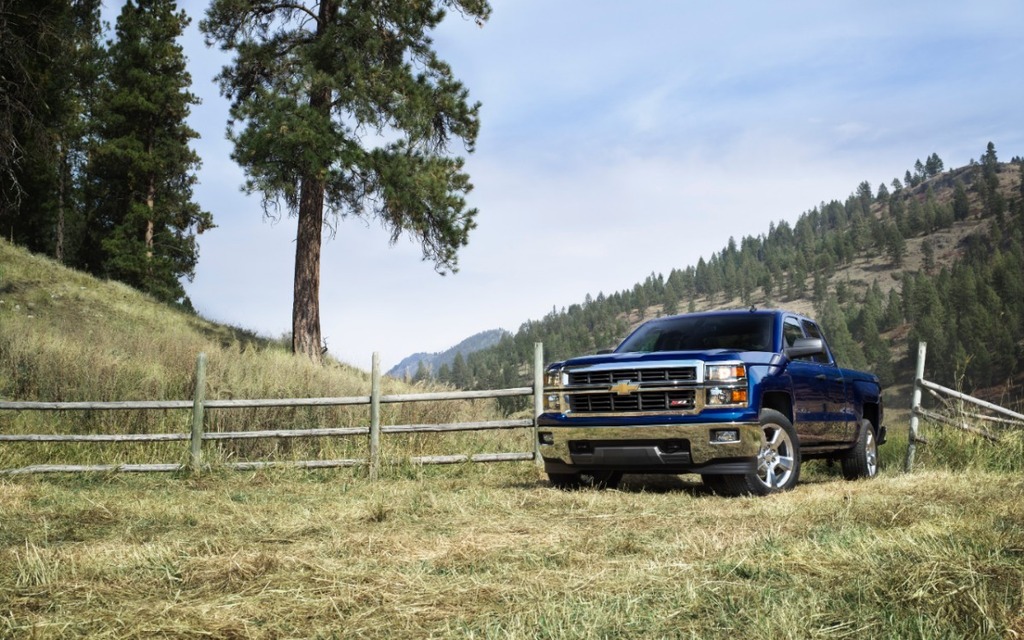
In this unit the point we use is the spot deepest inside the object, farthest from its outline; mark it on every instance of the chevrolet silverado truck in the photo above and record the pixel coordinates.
(740, 397)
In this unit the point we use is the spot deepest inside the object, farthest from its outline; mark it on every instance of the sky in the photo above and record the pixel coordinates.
(619, 139)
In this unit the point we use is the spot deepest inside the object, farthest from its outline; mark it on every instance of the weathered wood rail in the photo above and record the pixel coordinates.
(938, 391)
(199, 404)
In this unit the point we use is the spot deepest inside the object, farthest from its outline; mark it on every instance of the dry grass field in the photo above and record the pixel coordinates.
(492, 552)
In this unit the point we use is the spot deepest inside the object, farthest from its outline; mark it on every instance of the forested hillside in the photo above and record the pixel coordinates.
(937, 256)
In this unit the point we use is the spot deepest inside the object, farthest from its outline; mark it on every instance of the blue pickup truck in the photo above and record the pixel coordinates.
(740, 397)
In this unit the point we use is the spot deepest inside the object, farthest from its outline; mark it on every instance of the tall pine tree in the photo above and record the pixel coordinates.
(142, 172)
(344, 106)
(48, 63)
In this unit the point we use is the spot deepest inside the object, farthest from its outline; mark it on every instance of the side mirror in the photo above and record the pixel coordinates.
(803, 347)
(604, 352)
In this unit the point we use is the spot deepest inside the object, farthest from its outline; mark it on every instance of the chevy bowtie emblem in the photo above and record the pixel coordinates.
(624, 388)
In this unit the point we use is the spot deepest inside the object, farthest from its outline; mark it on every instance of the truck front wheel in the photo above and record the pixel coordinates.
(595, 479)
(778, 461)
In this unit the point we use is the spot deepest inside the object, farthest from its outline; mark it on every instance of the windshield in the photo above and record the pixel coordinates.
(741, 332)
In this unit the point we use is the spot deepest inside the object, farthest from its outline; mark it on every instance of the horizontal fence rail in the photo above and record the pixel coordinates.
(198, 435)
(263, 403)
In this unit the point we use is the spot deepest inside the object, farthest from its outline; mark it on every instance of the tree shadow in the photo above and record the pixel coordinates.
(228, 336)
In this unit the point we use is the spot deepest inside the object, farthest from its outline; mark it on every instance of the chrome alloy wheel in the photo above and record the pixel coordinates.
(775, 461)
(871, 454)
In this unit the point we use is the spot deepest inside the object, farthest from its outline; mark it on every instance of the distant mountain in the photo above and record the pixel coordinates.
(434, 361)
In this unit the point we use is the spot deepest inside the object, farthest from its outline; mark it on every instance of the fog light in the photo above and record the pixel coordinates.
(720, 436)
(546, 437)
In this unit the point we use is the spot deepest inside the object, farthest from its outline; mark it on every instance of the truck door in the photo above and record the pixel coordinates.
(838, 419)
(811, 395)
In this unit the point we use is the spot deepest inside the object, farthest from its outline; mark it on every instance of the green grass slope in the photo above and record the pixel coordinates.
(66, 336)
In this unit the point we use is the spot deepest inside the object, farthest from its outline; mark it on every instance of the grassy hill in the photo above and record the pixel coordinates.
(66, 336)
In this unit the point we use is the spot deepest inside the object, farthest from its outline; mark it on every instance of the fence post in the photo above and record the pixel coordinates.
(198, 410)
(538, 396)
(915, 404)
(375, 417)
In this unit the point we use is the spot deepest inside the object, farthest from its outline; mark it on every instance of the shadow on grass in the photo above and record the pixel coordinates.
(661, 483)
(814, 472)
(636, 483)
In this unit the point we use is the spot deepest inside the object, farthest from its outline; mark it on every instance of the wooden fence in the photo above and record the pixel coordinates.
(955, 420)
(199, 404)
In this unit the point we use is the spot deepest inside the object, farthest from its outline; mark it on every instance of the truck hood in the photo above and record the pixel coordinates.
(654, 358)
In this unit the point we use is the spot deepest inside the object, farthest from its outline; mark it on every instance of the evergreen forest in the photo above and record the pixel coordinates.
(95, 165)
(937, 256)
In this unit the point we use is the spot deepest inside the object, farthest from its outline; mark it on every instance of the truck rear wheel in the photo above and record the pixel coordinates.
(862, 460)
(778, 461)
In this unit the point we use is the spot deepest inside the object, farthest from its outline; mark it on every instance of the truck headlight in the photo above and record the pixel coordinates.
(553, 402)
(552, 378)
(718, 396)
(727, 384)
(553, 390)
(732, 372)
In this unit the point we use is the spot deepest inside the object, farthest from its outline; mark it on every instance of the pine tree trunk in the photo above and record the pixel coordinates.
(58, 250)
(306, 337)
(150, 204)
(306, 297)
(149, 235)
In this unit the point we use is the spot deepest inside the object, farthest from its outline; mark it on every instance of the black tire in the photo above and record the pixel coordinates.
(602, 479)
(595, 479)
(564, 480)
(713, 483)
(778, 461)
(862, 460)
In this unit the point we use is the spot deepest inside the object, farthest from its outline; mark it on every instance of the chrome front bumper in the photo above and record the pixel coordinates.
(647, 448)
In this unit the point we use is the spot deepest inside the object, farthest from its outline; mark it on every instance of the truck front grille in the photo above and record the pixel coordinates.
(663, 388)
(609, 377)
(671, 400)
